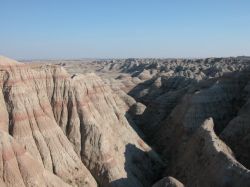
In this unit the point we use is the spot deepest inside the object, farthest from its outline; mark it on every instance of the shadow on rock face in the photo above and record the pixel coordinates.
(160, 95)
(139, 173)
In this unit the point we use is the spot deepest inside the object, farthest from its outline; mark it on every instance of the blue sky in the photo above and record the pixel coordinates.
(43, 29)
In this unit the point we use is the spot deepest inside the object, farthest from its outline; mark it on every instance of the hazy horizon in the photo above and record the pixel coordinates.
(82, 59)
(124, 29)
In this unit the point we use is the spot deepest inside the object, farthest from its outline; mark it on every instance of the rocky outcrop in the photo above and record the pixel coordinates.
(74, 126)
(7, 62)
(130, 72)
(169, 100)
(204, 154)
(201, 101)
(237, 132)
(20, 169)
(168, 182)
(160, 84)
(28, 94)
(104, 139)
(178, 136)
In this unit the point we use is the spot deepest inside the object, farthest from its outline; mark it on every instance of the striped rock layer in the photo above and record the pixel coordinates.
(73, 126)
(20, 169)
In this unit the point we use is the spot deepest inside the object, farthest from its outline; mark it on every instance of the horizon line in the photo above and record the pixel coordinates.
(121, 58)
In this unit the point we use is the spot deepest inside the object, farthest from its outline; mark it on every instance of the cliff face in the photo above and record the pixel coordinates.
(191, 146)
(28, 117)
(19, 168)
(73, 126)
(207, 161)
(237, 132)
(195, 114)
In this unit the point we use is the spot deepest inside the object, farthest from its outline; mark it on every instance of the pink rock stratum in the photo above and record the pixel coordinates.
(74, 127)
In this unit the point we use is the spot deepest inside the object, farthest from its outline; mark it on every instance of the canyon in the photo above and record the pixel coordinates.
(125, 122)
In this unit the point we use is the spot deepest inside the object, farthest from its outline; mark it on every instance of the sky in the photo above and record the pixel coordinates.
(50, 29)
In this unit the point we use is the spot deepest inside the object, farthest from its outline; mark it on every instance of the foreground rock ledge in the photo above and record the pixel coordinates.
(207, 161)
(168, 182)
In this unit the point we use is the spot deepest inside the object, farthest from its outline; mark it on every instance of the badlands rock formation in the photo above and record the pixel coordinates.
(206, 161)
(179, 134)
(28, 117)
(19, 168)
(73, 126)
(158, 83)
(179, 95)
(194, 112)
